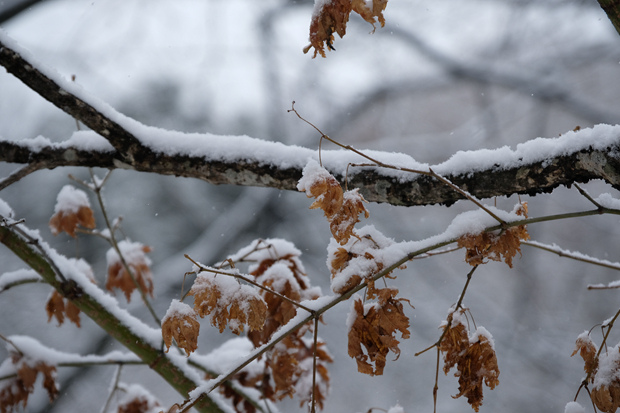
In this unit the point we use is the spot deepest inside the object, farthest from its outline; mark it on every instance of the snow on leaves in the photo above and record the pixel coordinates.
(497, 247)
(180, 323)
(373, 328)
(472, 354)
(136, 273)
(603, 372)
(331, 16)
(17, 390)
(228, 302)
(72, 209)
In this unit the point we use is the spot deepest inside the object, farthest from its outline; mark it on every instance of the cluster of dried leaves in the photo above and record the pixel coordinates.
(331, 16)
(342, 209)
(603, 373)
(373, 325)
(373, 330)
(15, 391)
(473, 355)
(497, 247)
(125, 273)
(288, 366)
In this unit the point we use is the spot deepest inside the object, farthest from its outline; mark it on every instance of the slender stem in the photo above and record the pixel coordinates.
(316, 339)
(573, 257)
(97, 189)
(20, 173)
(115, 382)
(466, 195)
(587, 195)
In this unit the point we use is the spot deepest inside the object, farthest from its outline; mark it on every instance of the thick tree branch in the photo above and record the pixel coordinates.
(25, 69)
(134, 147)
(612, 8)
(374, 183)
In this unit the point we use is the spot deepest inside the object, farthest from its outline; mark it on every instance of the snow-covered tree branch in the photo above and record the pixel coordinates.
(535, 167)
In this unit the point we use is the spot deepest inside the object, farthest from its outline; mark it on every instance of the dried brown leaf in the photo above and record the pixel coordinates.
(180, 324)
(134, 254)
(372, 333)
(68, 221)
(331, 16)
(587, 350)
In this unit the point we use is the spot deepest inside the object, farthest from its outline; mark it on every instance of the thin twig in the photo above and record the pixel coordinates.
(97, 189)
(20, 173)
(575, 257)
(466, 195)
(316, 339)
(587, 195)
(115, 382)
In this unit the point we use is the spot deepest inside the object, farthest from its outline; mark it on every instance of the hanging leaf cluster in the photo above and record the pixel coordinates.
(331, 16)
(472, 354)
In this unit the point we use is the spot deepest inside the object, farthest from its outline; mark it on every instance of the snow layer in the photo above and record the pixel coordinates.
(70, 199)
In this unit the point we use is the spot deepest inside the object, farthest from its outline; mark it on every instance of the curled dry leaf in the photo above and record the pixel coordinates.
(228, 302)
(134, 254)
(587, 350)
(331, 16)
(373, 331)
(180, 324)
(343, 222)
(72, 209)
(474, 357)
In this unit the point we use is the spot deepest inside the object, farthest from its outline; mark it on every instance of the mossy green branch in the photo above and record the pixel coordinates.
(612, 8)
(155, 358)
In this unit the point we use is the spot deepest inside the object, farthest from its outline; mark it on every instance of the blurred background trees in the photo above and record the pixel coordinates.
(442, 76)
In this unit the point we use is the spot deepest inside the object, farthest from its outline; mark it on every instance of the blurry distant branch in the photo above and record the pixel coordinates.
(532, 84)
(612, 8)
(375, 183)
(9, 11)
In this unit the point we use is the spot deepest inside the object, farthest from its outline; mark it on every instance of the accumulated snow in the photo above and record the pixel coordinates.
(18, 276)
(70, 199)
(134, 392)
(177, 309)
(5, 210)
(396, 409)
(33, 349)
(227, 356)
(133, 253)
(608, 363)
(482, 332)
(608, 201)
(574, 407)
